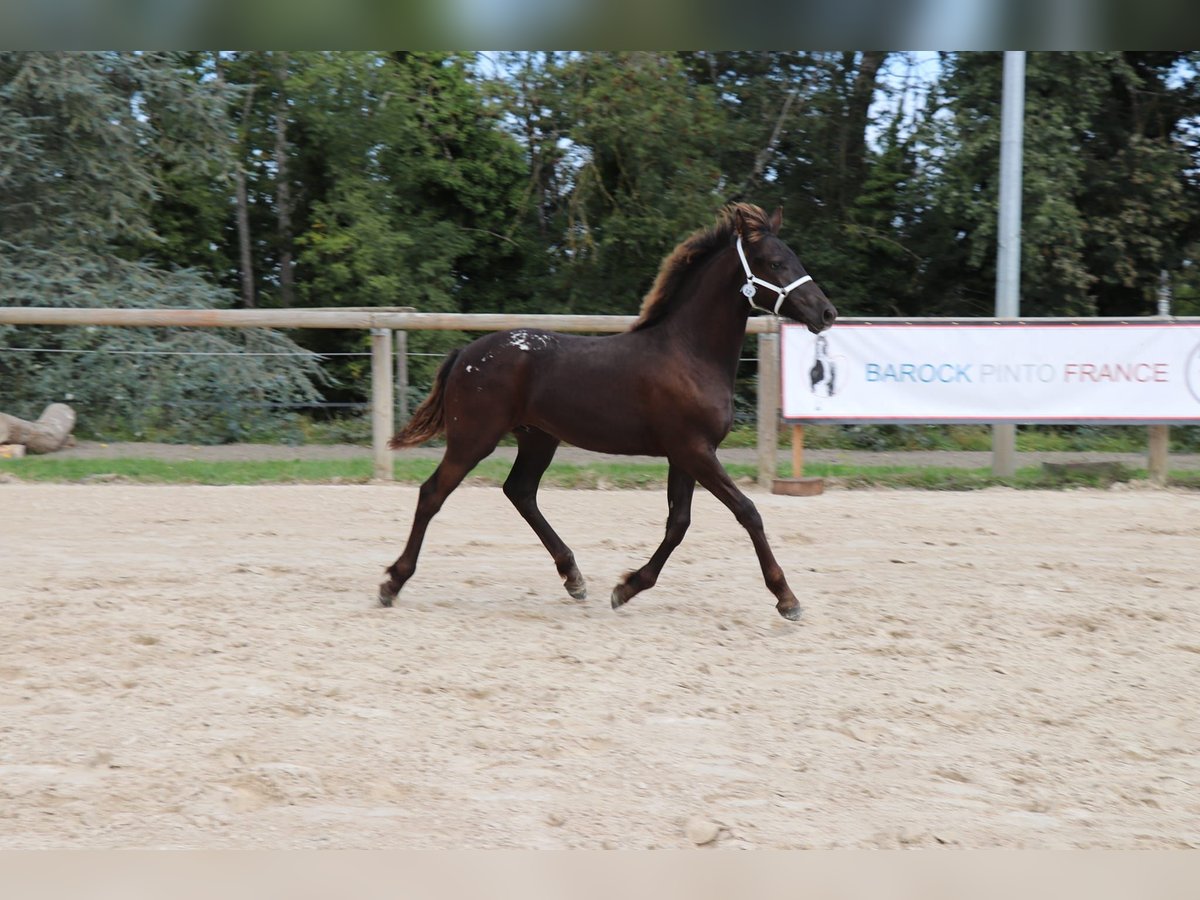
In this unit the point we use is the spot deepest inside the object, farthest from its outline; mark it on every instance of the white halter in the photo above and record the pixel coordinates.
(749, 289)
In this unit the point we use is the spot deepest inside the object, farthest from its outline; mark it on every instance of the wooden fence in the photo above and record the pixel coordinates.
(388, 327)
(383, 324)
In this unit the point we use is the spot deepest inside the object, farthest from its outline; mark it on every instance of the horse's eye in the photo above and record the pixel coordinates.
(777, 265)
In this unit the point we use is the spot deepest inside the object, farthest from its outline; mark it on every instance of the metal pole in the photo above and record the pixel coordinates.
(382, 412)
(1164, 294)
(1159, 436)
(1008, 246)
(768, 408)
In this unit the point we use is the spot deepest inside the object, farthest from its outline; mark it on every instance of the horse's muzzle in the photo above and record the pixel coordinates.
(826, 315)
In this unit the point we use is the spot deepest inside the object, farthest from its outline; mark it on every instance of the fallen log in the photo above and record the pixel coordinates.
(50, 432)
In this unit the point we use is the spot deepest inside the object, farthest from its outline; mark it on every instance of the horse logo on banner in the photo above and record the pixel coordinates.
(823, 374)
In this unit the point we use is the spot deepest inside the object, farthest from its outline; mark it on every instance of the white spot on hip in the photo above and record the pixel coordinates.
(524, 341)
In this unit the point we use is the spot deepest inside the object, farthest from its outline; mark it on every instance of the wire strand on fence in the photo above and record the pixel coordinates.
(266, 405)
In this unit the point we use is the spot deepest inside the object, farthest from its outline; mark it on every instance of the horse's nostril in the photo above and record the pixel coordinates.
(829, 315)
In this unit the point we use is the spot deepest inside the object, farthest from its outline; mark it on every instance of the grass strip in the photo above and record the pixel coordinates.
(614, 474)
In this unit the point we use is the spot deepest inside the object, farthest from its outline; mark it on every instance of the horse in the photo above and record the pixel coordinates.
(662, 388)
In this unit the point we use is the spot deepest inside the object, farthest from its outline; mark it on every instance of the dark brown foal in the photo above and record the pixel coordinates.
(664, 388)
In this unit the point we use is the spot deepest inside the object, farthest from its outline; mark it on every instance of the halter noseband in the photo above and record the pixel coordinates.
(749, 289)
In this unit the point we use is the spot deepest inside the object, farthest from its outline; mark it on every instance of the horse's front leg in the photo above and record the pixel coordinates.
(708, 470)
(680, 487)
(535, 449)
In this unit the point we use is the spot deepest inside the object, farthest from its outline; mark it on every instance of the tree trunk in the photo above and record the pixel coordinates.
(854, 134)
(243, 229)
(283, 191)
(764, 155)
(49, 433)
(243, 204)
(245, 259)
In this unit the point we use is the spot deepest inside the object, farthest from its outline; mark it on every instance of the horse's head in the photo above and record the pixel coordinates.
(771, 265)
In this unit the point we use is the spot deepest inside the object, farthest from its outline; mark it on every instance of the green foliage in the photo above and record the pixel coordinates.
(1111, 196)
(92, 135)
(411, 197)
(132, 382)
(83, 136)
(419, 184)
(642, 172)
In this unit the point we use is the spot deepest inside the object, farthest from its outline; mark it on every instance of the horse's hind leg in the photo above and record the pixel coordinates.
(445, 478)
(465, 447)
(680, 487)
(535, 449)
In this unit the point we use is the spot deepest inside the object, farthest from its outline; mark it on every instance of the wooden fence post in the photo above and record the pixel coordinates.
(382, 403)
(1004, 450)
(1157, 463)
(797, 451)
(768, 408)
(401, 338)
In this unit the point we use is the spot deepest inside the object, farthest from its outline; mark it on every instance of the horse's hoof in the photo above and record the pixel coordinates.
(621, 595)
(791, 613)
(574, 583)
(385, 598)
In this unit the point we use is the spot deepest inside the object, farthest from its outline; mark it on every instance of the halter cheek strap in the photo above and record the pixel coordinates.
(750, 288)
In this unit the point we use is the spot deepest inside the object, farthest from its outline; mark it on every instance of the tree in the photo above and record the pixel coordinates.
(1142, 194)
(412, 190)
(90, 140)
(625, 169)
(283, 189)
(419, 184)
(800, 134)
(1108, 199)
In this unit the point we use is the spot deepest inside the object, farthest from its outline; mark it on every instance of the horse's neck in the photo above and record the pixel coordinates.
(710, 323)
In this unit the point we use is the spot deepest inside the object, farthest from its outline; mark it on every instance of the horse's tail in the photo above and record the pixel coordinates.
(429, 419)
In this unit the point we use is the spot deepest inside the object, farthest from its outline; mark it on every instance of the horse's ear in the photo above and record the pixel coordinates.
(739, 223)
(776, 220)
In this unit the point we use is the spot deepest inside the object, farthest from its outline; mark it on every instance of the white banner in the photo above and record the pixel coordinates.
(893, 372)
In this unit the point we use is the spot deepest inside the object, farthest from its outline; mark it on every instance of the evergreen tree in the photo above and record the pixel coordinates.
(85, 140)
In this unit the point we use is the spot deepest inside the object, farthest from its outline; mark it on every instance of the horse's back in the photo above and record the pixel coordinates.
(584, 390)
